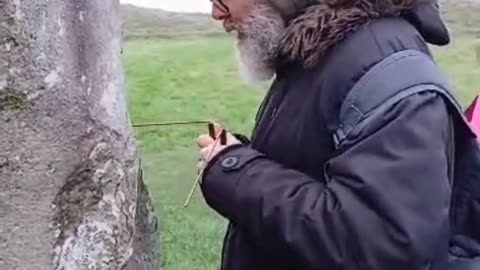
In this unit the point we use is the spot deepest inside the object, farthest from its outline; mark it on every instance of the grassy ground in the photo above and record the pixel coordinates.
(184, 80)
(197, 79)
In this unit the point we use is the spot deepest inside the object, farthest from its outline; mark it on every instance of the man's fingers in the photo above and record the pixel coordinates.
(204, 141)
(208, 152)
(204, 152)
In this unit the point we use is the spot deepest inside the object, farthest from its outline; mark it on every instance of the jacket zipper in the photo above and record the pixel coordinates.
(226, 247)
(273, 107)
(260, 115)
(228, 235)
(272, 118)
(267, 102)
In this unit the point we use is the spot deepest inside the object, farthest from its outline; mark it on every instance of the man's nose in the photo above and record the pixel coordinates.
(218, 14)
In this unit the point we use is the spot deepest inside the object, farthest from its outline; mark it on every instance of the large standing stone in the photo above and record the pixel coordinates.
(71, 192)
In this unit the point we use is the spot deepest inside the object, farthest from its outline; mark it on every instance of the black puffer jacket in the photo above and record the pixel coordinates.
(294, 203)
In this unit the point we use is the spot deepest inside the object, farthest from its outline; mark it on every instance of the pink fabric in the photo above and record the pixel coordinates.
(473, 115)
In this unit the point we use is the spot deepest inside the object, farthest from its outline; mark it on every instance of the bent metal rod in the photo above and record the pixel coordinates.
(221, 138)
(174, 123)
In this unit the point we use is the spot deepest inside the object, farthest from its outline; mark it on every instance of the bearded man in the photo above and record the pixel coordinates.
(295, 201)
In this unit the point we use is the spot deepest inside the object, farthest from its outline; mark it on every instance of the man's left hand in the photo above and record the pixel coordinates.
(209, 149)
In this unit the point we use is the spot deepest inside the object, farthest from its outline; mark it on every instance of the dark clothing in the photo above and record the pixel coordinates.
(294, 202)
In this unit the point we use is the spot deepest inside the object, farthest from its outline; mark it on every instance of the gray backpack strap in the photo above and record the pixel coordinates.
(391, 80)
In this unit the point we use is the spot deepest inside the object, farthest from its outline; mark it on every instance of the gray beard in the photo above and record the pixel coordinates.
(258, 44)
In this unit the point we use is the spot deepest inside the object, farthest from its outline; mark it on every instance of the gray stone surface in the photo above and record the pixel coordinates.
(69, 171)
(146, 252)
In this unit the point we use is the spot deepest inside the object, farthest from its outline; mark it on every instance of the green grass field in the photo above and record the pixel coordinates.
(184, 80)
(197, 79)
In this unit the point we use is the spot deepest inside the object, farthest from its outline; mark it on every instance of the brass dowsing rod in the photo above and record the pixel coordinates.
(177, 123)
(200, 173)
(174, 123)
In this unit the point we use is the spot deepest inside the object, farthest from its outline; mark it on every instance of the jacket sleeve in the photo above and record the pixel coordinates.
(385, 204)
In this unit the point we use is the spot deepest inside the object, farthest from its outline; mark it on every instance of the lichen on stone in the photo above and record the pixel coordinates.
(10, 100)
(76, 196)
(92, 226)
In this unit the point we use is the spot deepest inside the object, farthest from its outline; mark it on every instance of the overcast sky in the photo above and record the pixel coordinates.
(174, 5)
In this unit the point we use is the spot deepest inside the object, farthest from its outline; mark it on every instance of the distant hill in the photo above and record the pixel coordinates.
(463, 17)
(152, 23)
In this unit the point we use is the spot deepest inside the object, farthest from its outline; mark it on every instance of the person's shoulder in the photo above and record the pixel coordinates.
(370, 44)
(351, 59)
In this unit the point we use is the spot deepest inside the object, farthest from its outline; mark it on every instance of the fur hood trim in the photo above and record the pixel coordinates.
(320, 27)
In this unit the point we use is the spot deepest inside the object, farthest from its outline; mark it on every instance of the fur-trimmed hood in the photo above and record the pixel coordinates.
(319, 27)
